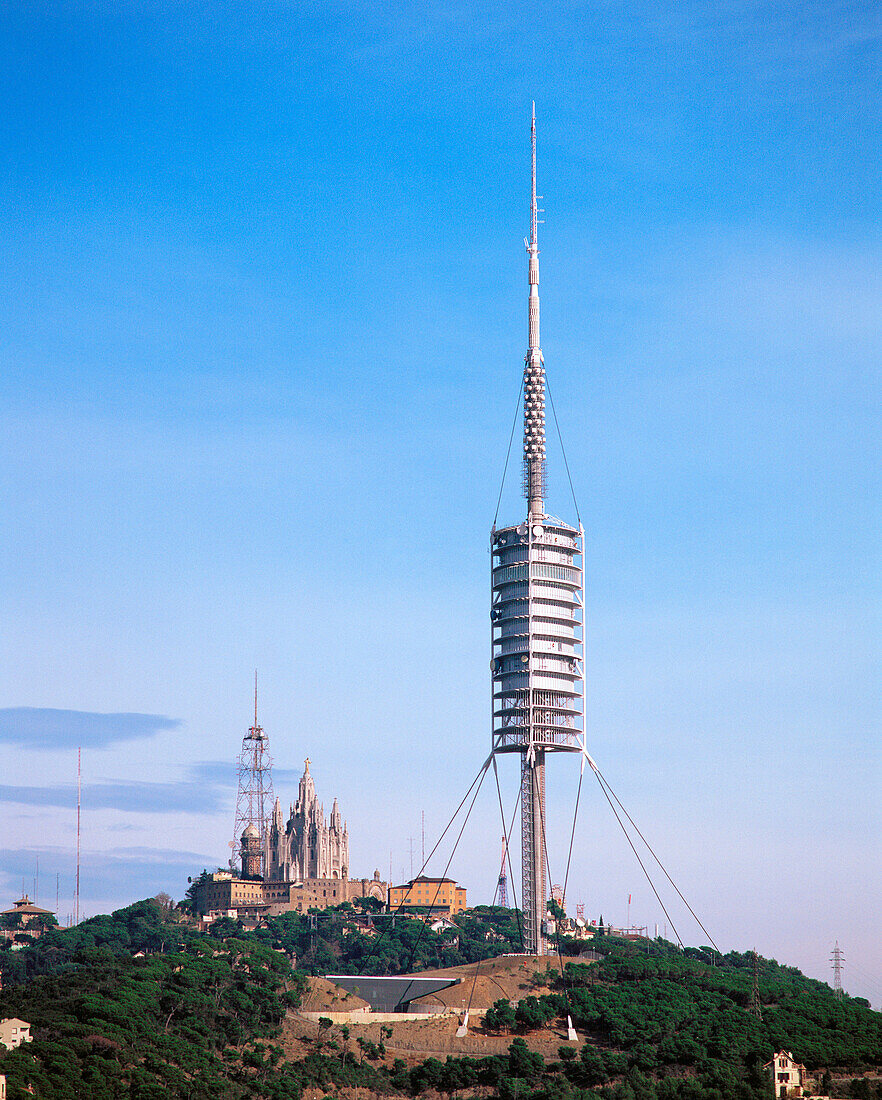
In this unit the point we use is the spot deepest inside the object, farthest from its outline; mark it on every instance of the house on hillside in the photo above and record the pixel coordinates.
(25, 919)
(788, 1076)
(14, 1032)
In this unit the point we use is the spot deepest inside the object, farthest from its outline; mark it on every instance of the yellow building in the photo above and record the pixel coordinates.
(787, 1075)
(437, 895)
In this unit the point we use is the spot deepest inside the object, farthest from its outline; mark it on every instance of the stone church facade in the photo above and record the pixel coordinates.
(308, 846)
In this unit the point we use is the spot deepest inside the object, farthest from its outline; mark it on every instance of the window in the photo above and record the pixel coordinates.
(505, 573)
(556, 572)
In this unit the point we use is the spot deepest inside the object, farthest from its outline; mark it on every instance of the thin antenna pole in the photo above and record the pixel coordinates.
(37, 882)
(255, 698)
(534, 368)
(79, 801)
(534, 219)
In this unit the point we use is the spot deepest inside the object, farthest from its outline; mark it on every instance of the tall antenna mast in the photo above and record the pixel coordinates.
(254, 798)
(79, 800)
(534, 364)
(537, 622)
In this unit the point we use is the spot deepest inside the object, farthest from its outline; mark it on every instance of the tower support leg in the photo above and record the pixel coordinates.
(533, 850)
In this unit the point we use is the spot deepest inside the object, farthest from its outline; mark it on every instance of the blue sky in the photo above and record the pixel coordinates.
(262, 320)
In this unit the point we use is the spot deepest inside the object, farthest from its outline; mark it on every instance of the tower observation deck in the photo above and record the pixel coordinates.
(537, 620)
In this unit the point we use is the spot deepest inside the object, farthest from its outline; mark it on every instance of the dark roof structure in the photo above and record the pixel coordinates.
(390, 994)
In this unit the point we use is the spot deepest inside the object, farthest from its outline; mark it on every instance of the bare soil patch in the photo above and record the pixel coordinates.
(415, 1040)
(511, 977)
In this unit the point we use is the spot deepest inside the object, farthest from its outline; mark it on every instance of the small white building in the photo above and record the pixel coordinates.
(443, 924)
(788, 1076)
(13, 1033)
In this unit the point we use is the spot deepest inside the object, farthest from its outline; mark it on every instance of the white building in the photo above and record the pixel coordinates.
(788, 1076)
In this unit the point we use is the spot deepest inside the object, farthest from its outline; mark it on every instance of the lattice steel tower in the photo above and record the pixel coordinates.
(837, 958)
(756, 1007)
(254, 800)
(537, 615)
(502, 882)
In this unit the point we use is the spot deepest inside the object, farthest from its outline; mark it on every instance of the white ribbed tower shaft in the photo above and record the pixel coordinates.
(537, 623)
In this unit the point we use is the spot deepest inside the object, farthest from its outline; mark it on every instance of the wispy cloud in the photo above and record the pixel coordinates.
(184, 797)
(223, 773)
(46, 728)
(204, 788)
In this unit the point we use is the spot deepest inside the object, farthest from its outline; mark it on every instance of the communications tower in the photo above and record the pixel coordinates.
(502, 882)
(537, 617)
(254, 799)
(837, 958)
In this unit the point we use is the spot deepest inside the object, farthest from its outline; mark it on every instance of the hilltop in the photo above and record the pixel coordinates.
(140, 1005)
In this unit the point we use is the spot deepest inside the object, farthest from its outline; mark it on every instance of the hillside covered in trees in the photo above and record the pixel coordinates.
(140, 1005)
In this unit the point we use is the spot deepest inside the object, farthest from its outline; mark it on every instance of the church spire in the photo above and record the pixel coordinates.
(534, 366)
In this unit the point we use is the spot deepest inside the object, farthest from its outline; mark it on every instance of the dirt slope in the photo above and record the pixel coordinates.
(511, 977)
(323, 996)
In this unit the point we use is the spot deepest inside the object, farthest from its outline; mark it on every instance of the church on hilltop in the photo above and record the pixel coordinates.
(307, 846)
(306, 860)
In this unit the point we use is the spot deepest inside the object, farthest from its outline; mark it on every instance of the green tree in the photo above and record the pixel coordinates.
(522, 1062)
(500, 1016)
(532, 1013)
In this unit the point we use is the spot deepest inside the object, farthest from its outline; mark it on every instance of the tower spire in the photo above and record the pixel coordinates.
(255, 798)
(534, 365)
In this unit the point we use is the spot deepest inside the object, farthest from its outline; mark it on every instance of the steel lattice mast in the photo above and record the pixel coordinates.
(837, 958)
(254, 800)
(536, 614)
(502, 882)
